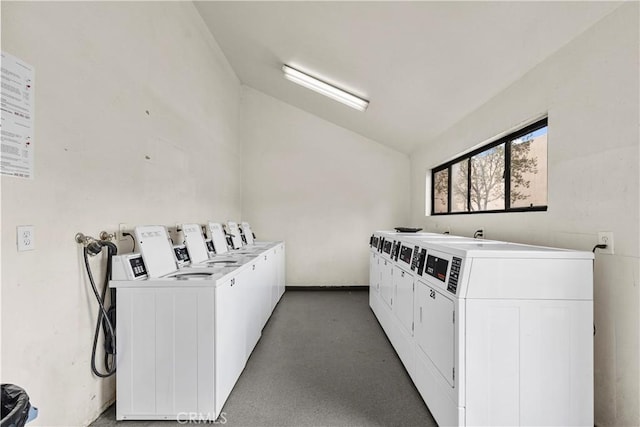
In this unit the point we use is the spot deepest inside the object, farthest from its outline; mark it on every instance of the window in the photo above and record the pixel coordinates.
(459, 186)
(507, 175)
(441, 191)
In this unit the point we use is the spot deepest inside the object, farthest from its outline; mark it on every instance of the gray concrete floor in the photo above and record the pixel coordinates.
(323, 360)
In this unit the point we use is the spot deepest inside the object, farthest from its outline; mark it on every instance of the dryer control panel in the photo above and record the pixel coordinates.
(454, 275)
(387, 246)
(417, 262)
(445, 268)
(437, 267)
(396, 250)
(405, 254)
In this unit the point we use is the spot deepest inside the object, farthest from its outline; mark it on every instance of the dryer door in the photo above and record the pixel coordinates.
(386, 282)
(435, 328)
(403, 305)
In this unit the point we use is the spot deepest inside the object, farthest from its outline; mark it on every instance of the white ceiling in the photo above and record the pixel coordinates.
(423, 65)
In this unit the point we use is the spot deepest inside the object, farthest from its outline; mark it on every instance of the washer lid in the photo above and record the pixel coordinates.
(218, 238)
(248, 234)
(235, 234)
(156, 249)
(195, 243)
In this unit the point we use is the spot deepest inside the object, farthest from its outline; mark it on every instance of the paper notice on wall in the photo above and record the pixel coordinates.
(16, 124)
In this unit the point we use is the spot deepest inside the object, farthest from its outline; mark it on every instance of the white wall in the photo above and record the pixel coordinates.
(591, 93)
(321, 188)
(99, 68)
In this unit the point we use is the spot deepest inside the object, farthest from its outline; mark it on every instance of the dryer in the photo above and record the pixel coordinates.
(397, 288)
(503, 334)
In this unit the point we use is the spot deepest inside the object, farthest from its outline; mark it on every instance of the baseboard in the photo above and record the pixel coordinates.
(328, 288)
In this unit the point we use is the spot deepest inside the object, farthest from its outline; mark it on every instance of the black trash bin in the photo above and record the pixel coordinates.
(15, 406)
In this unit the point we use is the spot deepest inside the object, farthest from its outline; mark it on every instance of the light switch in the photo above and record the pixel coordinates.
(26, 237)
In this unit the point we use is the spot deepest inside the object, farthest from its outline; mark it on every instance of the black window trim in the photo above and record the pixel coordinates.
(467, 156)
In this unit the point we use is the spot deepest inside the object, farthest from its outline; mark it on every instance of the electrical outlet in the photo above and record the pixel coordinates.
(605, 238)
(122, 228)
(26, 238)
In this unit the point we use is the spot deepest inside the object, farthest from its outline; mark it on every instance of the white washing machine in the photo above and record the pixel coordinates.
(249, 236)
(184, 336)
(198, 252)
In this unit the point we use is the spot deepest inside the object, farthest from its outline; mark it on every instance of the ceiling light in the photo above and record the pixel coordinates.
(324, 88)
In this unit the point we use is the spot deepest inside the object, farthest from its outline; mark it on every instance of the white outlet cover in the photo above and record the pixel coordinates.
(26, 237)
(606, 238)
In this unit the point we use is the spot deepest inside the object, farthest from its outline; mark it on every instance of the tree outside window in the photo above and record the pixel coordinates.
(507, 175)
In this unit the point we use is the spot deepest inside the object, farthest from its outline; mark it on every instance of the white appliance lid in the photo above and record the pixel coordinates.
(248, 234)
(195, 243)
(218, 238)
(235, 234)
(156, 250)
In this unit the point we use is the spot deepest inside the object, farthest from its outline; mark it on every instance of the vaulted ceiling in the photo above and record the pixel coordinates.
(423, 65)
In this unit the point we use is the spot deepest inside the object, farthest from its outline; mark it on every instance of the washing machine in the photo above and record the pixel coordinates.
(239, 243)
(198, 252)
(231, 243)
(184, 335)
(249, 237)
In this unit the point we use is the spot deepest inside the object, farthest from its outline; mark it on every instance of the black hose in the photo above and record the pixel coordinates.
(103, 315)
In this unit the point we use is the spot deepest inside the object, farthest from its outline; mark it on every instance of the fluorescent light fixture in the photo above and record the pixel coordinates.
(324, 88)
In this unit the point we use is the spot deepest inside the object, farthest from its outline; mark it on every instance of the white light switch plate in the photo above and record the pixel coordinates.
(26, 237)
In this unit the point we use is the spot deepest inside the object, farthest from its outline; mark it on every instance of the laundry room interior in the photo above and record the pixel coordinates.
(147, 119)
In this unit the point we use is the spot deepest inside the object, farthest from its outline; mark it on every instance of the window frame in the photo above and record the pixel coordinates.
(506, 140)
